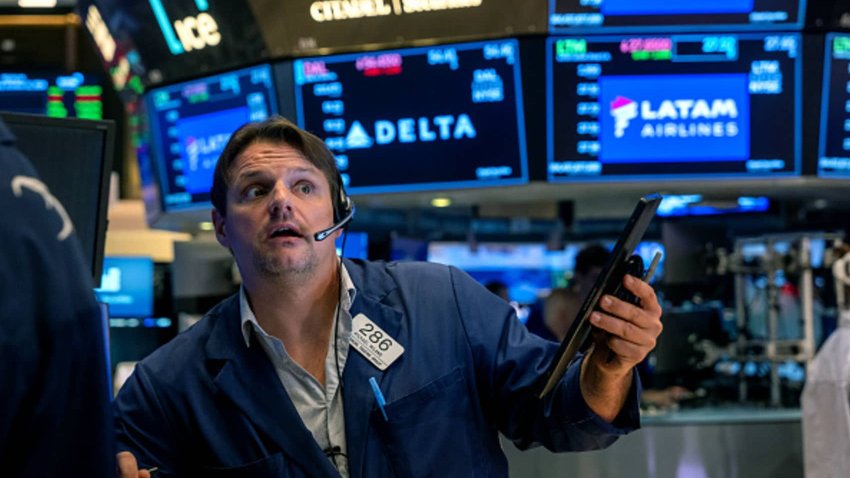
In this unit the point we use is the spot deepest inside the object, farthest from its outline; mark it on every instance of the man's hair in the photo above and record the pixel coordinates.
(594, 255)
(275, 130)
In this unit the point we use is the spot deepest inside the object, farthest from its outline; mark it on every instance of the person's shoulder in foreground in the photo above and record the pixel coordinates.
(56, 416)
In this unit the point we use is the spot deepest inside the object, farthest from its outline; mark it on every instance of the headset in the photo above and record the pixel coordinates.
(343, 212)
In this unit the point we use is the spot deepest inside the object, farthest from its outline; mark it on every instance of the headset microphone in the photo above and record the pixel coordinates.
(323, 234)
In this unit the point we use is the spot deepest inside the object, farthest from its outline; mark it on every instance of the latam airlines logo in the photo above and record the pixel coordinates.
(194, 33)
(624, 111)
(202, 152)
(693, 116)
(662, 118)
(409, 130)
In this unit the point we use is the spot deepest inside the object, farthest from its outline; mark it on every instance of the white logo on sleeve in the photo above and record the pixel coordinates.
(50, 201)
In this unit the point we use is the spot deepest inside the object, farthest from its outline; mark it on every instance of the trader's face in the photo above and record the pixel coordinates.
(276, 201)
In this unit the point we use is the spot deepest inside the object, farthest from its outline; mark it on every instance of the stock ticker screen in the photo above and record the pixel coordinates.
(73, 95)
(666, 15)
(673, 106)
(447, 116)
(834, 146)
(191, 123)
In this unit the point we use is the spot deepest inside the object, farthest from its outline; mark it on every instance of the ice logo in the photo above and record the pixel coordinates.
(624, 111)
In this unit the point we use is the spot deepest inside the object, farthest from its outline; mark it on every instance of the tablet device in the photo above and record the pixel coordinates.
(610, 281)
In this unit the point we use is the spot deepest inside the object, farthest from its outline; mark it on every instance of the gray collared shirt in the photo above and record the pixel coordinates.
(320, 408)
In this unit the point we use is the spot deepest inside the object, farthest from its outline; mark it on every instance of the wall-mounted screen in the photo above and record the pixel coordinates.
(164, 41)
(674, 106)
(73, 95)
(191, 123)
(309, 27)
(127, 286)
(680, 205)
(446, 116)
(834, 149)
(665, 15)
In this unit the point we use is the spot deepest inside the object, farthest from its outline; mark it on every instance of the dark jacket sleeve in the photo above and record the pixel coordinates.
(511, 366)
(55, 402)
(142, 425)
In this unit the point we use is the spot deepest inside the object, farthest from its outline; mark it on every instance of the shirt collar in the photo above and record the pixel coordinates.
(249, 320)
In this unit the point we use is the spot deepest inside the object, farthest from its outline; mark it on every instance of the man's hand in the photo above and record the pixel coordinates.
(625, 336)
(129, 468)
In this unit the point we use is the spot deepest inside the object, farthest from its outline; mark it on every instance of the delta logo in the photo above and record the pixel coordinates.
(410, 130)
(677, 118)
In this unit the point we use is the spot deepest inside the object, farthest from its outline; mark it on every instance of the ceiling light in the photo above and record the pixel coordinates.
(37, 3)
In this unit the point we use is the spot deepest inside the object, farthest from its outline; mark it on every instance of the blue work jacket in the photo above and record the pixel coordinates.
(55, 415)
(207, 405)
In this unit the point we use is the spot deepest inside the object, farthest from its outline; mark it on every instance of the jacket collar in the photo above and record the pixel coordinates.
(247, 376)
(375, 289)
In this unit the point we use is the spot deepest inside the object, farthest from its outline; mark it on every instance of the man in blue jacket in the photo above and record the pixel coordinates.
(327, 367)
(55, 415)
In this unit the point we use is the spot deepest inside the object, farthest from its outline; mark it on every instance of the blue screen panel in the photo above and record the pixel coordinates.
(356, 245)
(618, 16)
(692, 205)
(191, 123)
(637, 106)
(666, 7)
(448, 116)
(674, 106)
(834, 146)
(127, 286)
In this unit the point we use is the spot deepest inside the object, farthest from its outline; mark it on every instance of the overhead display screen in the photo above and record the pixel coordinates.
(834, 149)
(160, 41)
(665, 15)
(310, 27)
(687, 106)
(74, 95)
(192, 122)
(447, 116)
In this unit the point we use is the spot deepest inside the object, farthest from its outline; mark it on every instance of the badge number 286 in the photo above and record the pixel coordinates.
(374, 343)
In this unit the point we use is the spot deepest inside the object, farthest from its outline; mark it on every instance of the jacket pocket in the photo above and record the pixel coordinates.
(429, 432)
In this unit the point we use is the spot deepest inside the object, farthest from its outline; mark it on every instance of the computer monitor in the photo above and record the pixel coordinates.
(127, 286)
(74, 158)
(190, 124)
(447, 116)
(665, 15)
(687, 106)
(834, 144)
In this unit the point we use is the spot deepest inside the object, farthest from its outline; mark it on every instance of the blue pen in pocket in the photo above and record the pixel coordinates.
(379, 397)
